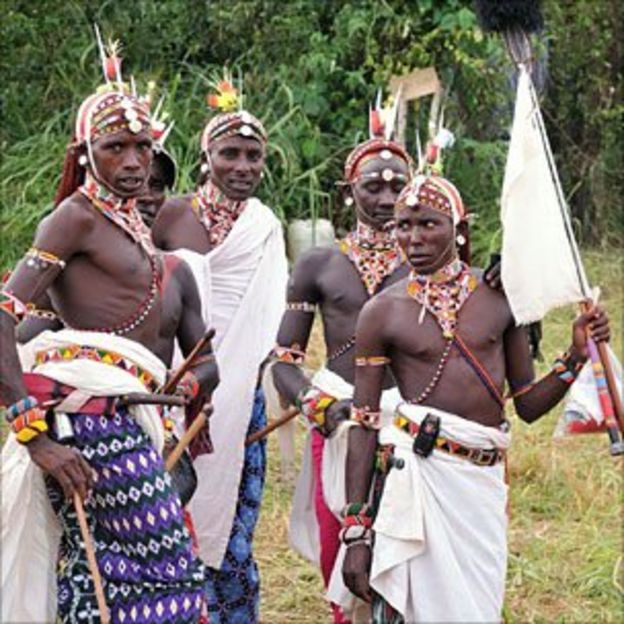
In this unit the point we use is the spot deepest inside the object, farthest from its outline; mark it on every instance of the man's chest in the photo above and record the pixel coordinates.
(343, 289)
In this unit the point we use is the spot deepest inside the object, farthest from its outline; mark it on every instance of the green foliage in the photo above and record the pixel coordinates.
(310, 68)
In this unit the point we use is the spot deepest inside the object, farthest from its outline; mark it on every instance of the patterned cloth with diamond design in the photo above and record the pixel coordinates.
(142, 546)
(234, 591)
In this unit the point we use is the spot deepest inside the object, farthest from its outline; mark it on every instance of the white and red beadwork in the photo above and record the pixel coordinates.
(374, 253)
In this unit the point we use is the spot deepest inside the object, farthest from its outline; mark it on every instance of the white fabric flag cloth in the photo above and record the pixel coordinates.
(541, 266)
(303, 526)
(440, 550)
(30, 529)
(243, 288)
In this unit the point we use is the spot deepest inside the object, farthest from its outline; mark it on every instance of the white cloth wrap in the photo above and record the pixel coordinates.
(304, 528)
(30, 529)
(242, 284)
(440, 550)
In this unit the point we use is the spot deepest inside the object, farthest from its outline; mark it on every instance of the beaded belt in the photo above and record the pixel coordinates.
(78, 352)
(480, 457)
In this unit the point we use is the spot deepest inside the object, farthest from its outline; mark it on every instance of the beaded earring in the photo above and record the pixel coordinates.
(82, 160)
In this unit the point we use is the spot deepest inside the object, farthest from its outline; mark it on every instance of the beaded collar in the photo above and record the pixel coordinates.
(374, 253)
(125, 215)
(122, 212)
(443, 293)
(216, 211)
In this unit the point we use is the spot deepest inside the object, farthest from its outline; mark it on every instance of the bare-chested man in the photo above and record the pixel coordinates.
(339, 279)
(234, 245)
(94, 257)
(439, 544)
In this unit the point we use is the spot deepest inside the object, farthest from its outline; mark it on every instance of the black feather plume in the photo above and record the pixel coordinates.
(509, 15)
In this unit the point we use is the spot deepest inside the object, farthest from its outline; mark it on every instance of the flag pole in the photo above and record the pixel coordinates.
(610, 402)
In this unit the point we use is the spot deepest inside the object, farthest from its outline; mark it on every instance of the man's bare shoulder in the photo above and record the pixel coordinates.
(73, 216)
(386, 300)
(174, 207)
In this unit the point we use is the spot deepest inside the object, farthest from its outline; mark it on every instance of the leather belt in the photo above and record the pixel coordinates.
(480, 457)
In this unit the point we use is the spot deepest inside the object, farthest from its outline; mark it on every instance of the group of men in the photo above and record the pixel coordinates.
(408, 435)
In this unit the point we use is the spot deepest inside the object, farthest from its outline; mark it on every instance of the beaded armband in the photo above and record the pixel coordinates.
(33, 312)
(26, 419)
(12, 306)
(366, 417)
(312, 402)
(301, 306)
(357, 521)
(188, 386)
(373, 360)
(567, 368)
(289, 355)
(39, 259)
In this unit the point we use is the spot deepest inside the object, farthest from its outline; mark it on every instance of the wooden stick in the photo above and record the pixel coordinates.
(600, 364)
(173, 380)
(188, 436)
(91, 560)
(612, 385)
(290, 413)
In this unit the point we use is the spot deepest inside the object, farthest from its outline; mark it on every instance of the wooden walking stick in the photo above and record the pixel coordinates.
(91, 560)
(290, 413)
(187, 437)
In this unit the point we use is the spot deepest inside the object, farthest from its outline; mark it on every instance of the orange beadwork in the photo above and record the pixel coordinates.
(373, 360)
(12, 306)
(79, 352)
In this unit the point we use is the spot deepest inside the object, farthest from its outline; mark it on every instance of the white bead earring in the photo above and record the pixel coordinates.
(82, 160)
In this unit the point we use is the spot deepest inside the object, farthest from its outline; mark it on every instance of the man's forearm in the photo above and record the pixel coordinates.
(539, 398)
(12, 387)
(360, 463)
(289, 380)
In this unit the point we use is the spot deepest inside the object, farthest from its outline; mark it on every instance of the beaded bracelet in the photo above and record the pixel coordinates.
(289, 355)
(188, 386)
(567, 368)
(357, 514)
(355, 534)
(28, 425)
(312, 402)
(366, 417)
(19, 407)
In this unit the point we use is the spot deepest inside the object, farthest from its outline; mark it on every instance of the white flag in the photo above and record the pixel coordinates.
(541, 266)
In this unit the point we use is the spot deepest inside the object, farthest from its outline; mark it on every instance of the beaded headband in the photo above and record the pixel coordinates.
(434, 192)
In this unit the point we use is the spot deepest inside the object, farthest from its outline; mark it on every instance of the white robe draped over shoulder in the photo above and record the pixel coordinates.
(242, 284)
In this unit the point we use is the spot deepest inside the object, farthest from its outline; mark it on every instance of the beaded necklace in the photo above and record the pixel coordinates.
(122, 212)
(442, 294)
(374, 253)
(125, 215)
(216, 211)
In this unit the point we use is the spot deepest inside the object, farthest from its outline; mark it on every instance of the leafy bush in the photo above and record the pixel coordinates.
(310, 68)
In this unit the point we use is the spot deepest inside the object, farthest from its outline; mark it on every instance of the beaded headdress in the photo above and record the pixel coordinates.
(435, 192)
(381, 126)
(428, 187)
(114, 106)
(232, 119)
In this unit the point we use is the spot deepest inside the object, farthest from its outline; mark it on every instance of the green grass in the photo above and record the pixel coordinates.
(565, 536)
